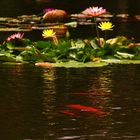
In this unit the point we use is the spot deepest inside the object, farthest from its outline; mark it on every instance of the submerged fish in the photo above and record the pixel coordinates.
(69, 113)
(86, 109)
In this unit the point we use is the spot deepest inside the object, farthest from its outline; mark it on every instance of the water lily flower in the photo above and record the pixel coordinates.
(94, 11)
(15, 36)
(105, 26)
(50, 34)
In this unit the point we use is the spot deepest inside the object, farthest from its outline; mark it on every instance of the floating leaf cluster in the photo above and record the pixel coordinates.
(81, 50)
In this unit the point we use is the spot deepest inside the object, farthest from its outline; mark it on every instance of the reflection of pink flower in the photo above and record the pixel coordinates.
(94, 11)
(15, 36)
(48, 10)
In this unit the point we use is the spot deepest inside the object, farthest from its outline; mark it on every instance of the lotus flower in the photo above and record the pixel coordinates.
(94, 11)
(105, 26)
(15, 36)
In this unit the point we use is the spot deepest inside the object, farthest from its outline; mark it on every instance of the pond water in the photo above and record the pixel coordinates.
(14, 8)
(125, 27)
(75, 103)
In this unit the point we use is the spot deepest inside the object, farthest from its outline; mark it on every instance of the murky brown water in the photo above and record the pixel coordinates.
(84, 104)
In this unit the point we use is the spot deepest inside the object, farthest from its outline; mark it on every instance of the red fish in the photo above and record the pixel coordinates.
(86, 109)
(70, 113)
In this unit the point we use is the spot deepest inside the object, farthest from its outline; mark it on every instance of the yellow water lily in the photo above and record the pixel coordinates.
(48, 33)
(105, 26)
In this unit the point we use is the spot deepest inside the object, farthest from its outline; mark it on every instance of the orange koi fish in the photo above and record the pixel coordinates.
(70, 113)
(86, 109)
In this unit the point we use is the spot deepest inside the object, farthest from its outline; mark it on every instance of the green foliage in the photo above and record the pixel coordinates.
(31, 53)
(80, 50)
(43, 46)
(6, 56)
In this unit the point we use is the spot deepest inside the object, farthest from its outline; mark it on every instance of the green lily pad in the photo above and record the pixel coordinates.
(117, 61)
(75, 64)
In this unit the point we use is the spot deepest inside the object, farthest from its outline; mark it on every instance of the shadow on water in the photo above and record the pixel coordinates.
(35, 103)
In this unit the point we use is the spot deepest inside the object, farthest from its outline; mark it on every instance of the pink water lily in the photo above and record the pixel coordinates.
(94, 11)
(15, 36)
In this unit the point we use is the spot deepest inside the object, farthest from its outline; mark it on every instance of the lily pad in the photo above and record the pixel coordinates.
(75, 64)
(117, 61)
(14, 29)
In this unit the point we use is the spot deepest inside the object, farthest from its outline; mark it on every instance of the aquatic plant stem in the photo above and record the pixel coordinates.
(55, 40)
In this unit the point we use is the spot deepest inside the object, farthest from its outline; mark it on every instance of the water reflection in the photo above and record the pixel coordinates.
(49, 111)
(33, 100)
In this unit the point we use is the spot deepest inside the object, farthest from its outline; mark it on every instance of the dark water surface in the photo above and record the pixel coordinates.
(128, 28)
(35, 103)
(19, 7)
